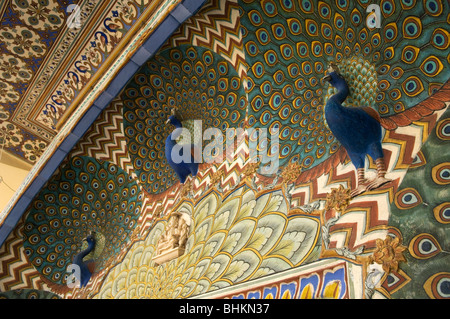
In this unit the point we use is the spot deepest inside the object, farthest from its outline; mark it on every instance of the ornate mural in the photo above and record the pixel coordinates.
(92, 196)
(296, 233)
(241, 238)
(420, 213)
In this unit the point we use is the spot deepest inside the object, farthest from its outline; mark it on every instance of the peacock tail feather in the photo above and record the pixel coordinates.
(260, 64)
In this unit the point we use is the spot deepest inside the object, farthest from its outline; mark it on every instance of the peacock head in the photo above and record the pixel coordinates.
(333, 67)
(333, 77)
(172, 118)
(90, 238)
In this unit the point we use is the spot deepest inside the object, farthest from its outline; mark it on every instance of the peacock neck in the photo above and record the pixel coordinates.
(177, 131)
(343, 91)
(86, 252)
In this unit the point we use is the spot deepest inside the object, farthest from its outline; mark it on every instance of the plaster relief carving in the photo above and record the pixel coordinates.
(172, 243)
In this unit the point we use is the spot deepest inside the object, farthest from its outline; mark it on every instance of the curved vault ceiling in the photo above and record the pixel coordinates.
(46, 64)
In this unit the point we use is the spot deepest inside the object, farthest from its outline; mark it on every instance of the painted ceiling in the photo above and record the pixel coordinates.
(238, 64)
(49, 52)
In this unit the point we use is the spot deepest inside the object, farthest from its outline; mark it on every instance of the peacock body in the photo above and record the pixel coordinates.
(85, 271)
(182, 168)
(357, 131)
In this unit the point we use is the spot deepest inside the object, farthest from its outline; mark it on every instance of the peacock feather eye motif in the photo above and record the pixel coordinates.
(442, 213)
(441, 173)
(436, 286)
(28, 294)
(408, 198)
(424, 246)
(421, 213)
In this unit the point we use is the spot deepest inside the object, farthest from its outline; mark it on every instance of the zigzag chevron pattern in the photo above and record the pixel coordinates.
(367, 216)
(15, 270)
(217, 29)
(363, 222)
(105, 140)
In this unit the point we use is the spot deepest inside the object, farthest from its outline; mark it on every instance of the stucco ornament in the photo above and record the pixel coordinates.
(389, 253)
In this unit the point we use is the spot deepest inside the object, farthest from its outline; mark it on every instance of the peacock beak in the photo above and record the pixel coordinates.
(327, 78)
(168, 121)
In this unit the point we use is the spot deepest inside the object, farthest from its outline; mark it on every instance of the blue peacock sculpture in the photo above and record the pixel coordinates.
(182, 167)
(85, 266)
(358, 129)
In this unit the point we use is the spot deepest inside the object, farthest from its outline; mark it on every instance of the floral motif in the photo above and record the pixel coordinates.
(3, 114)
(338, 199)
(291, 172)
(250, 170)
(388, 253)
(7, 93)
(9, 135)
(157, 213)
(33, 149)
(114, 27)
(186, 188)
(23, 41)
(13, 69)
(126, 10)
(217, 177)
